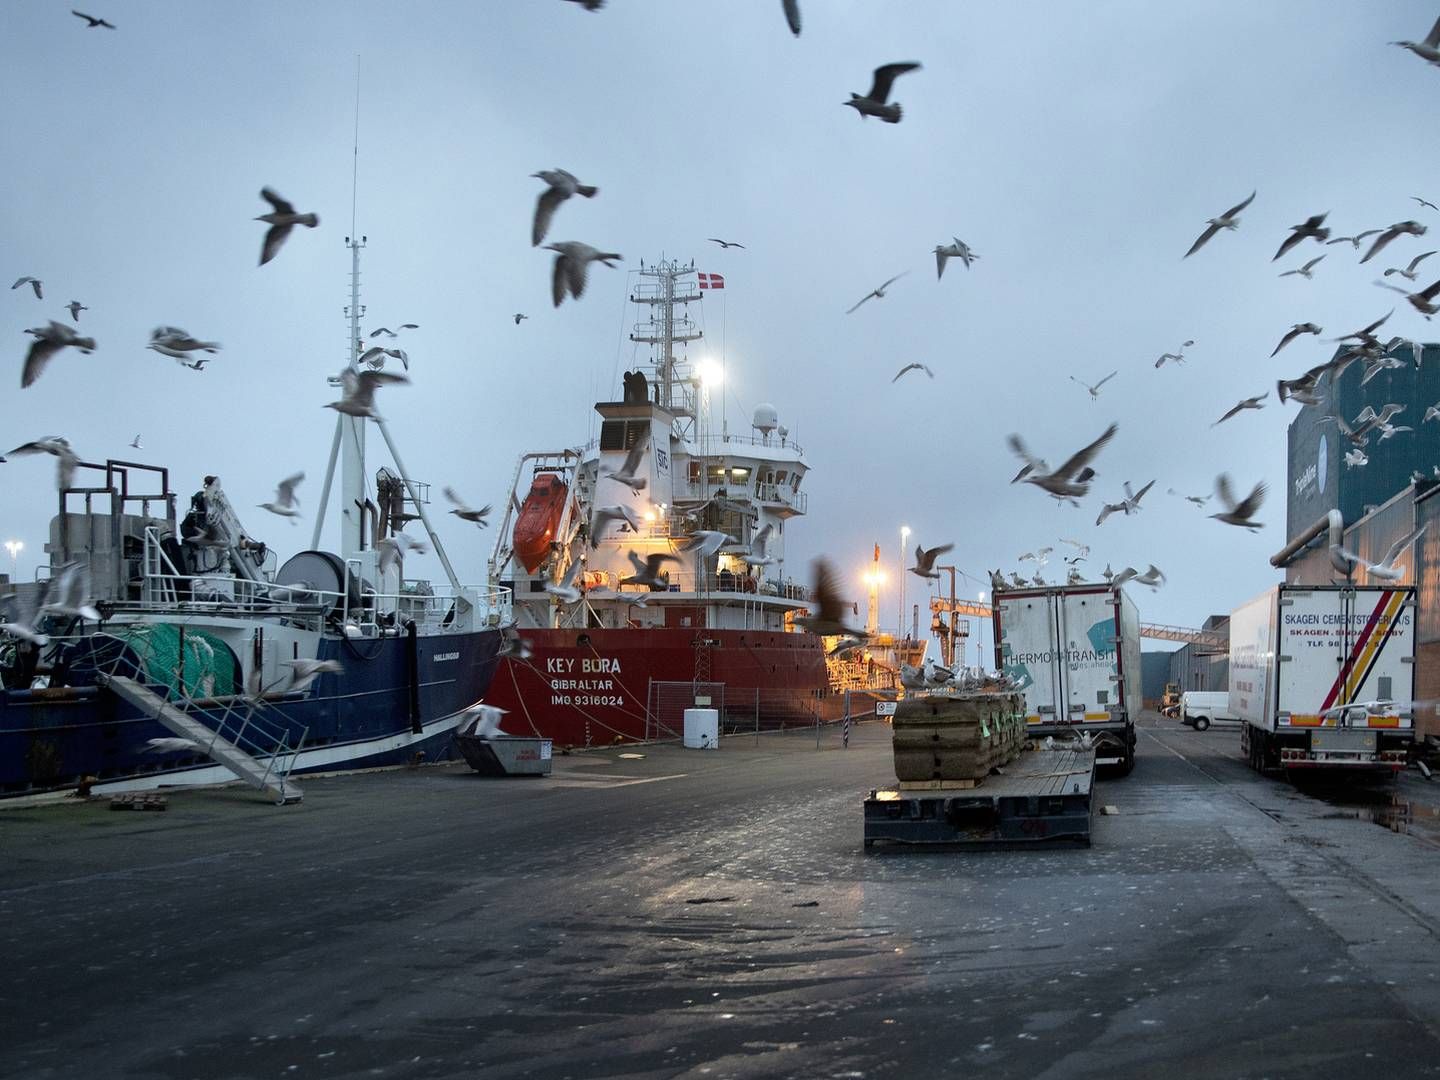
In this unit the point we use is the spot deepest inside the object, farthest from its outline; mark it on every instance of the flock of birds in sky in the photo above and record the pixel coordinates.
(1069, 482)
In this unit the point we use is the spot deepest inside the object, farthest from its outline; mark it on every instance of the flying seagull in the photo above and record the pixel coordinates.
(135, 443)
(566, 591)
(397, 547)
(49, 340)
(1354, 240)
(1241, 513)
(958, 249)
(57, 445)
(756, 555)
(1423, 301)
(464, 512)
(285, 503)
(281, 220)
(391, 333)
(876, 102)
(562, 185)
(1410, 273)
(792, 15)
(1307, 271)
(879, 291)
(1294, 332)
(647, 570)
(91, 22)
(304, 671)
(1248, 403)
(606, 514)
(174, 342)
(925, 561)
(519, 317)
(1178, 356)
(482, 721)
(1198, 500)
(1385, 569)
(1428, 50)
(626, 473)
(1312, 227)
(1094, 390)
(1401, 228)
(19, 615)
(1072, 478)
(34, 283)
(75, 307)
(726, 243)
(828, 619)
(706, 542)
(357, 391)
(1228, 220)
(590, 5)
(1423, 202)
(572, 263)
(913, 367)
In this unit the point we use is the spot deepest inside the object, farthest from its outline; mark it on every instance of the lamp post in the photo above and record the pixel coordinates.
(904, 536)
(980, 633)
(14, 547)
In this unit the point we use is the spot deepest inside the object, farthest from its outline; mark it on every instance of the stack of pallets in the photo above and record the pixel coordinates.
(955, 740)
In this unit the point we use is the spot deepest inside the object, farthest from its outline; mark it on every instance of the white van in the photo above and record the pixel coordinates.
(1201, 708)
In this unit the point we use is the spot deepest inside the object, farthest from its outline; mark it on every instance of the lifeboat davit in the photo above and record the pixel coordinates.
(539, 518)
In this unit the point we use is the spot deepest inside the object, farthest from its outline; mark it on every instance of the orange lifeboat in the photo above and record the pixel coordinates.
(539, 518)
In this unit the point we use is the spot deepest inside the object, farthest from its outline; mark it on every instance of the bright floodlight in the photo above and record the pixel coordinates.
(711, 373)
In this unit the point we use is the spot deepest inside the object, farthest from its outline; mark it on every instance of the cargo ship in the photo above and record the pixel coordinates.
(647, 567)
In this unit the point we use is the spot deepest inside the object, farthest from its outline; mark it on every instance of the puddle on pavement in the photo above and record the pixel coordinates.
(1378, 804)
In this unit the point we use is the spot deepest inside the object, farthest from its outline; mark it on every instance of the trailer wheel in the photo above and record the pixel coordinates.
(1202, 723)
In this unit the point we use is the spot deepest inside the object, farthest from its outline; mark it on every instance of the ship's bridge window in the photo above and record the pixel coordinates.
(622, 434)
(695, 472)
(795, 482)
(781, 476)
(740, 474)
(717, 473)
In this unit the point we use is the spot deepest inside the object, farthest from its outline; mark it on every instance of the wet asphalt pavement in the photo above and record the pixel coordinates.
(713, 914)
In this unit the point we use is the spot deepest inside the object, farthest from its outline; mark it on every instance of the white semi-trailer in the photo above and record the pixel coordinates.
(1324, 677)
(1074, 651)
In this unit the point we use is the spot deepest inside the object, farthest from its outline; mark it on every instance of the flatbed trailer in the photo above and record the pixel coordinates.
(1044, 797)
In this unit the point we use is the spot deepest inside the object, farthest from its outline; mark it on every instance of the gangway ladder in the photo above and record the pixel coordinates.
(261, 773)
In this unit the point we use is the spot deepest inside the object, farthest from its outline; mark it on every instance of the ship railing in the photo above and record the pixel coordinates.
(701, 584)
(783, 495)
(714, 445)
(432, 607)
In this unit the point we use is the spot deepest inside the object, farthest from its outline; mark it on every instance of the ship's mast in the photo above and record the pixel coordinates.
(352, 429)
(674, 381)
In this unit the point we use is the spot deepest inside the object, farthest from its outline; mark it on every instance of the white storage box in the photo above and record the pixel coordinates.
(702, 729)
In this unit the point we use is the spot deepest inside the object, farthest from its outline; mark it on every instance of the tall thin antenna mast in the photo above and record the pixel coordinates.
(355, 165)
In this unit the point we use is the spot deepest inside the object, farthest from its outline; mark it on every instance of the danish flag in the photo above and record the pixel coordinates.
(711, 281)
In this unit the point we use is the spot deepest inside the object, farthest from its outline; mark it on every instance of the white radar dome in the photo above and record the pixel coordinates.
(766, 419)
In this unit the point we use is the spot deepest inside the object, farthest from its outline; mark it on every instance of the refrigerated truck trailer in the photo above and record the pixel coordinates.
(1323, 677)
(1074, 651)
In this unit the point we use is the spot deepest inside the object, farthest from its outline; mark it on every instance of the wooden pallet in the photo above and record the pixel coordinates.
(937, 785)
(139, 800)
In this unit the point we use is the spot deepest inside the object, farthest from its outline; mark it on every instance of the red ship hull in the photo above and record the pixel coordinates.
(601, 686)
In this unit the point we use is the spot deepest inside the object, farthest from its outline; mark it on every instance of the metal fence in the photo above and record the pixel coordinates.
(755, 709)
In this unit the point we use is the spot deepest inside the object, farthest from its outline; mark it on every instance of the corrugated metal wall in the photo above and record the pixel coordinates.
(1200, 669)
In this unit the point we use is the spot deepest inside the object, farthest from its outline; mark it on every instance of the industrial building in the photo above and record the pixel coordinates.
(1368, 507)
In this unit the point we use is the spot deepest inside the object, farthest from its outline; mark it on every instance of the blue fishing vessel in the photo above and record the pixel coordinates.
(211, 660)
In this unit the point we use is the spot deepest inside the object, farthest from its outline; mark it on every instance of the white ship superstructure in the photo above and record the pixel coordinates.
(685, 478)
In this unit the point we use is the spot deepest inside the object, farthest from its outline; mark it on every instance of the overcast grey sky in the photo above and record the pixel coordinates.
(1079, 148)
